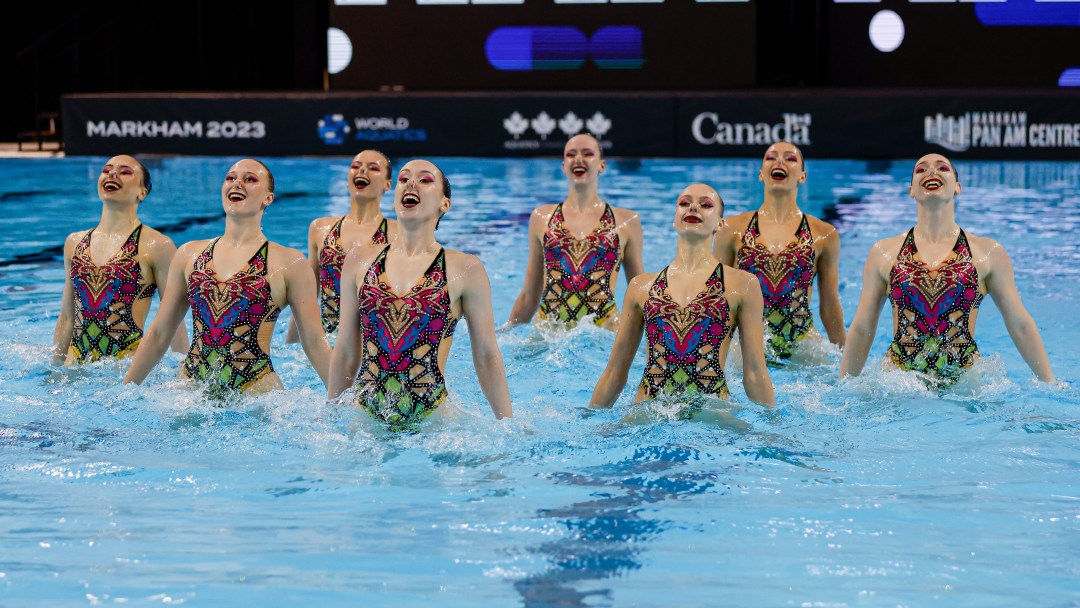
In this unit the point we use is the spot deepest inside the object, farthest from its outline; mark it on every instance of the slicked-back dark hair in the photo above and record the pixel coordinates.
(146, 183)
(269, 174)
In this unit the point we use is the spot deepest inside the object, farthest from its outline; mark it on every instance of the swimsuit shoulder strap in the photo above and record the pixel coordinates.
(84, 242)
(962, 248)
(752, 232)
(659, 284)
(377, 267)
(260, 259)
(334, 234)
(607, 219)
(717, 277)
(802, 233)
(556, 219)
(380, 233)
(908, 246)
(206, 255)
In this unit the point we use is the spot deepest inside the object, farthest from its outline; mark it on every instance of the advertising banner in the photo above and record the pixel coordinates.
(467, 125)
(825, 124)
(884, 124)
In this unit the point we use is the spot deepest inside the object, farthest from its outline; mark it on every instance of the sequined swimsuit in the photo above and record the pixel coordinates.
(933, 308)
(786, 278)
(331, 258)
(227, 316)
(685, 341)
(400, 381)
(105, 298)
(579, 272)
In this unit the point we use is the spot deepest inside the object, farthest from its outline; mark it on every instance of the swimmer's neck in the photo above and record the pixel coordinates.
(693, 254)
(117, 220)
(779, 206)
(363, 210)
(583, 197)
(412, 244)
(937, 222)
(240, 232)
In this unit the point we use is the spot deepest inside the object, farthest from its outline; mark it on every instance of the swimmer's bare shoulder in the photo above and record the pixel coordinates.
(279, 255)
(359, 259)
(154, 237)
(820, 228)
(739, 284)
(738, 222)
(320, 226)
(883, 254)
(191, 250)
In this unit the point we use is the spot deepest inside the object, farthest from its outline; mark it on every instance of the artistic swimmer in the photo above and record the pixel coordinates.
(688, 313)
(786, 249)
(577, 246)
(936, 274)
(330, 238)
(236, 285)
(104, 306)
(400, 304)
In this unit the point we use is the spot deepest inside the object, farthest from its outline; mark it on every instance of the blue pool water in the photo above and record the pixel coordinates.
(872, 493)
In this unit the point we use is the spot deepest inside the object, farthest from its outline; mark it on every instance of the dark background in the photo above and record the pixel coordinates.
(52, 47)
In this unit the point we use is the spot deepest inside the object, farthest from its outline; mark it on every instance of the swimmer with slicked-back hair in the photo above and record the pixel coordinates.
(936, 275)
(236, 285)
(577, 247)
(400, 304)
(104, 305)
(330, 238)
(786, 249)
(688, 313)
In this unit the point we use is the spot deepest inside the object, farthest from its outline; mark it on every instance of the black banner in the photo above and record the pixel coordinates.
(831, 124)
(884, 124)
(466, 125)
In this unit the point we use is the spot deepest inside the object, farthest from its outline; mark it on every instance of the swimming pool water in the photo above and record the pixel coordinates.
(875, 492)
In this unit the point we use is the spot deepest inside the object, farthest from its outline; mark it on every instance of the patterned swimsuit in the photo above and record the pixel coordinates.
(226, 318)
(580, 271)
(105, 297)
(685, 341)
(933, 312)
(786, 278)
(400, 381)
(331, 258)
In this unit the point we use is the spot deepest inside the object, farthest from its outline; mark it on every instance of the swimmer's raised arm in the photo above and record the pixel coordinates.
(65, 324)
(302, 296)
(476, 309)
(627, 340)
(750, 304)
(174, 305)
(860, 335)
(529, 299)
(1001, 285)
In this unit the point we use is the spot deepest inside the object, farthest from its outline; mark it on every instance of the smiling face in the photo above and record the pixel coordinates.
(698, 209)
(369, 174)
(248, 188)
(782, 166)
(582, 159)
(121, 179)
(934, 177)
(420, 194)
